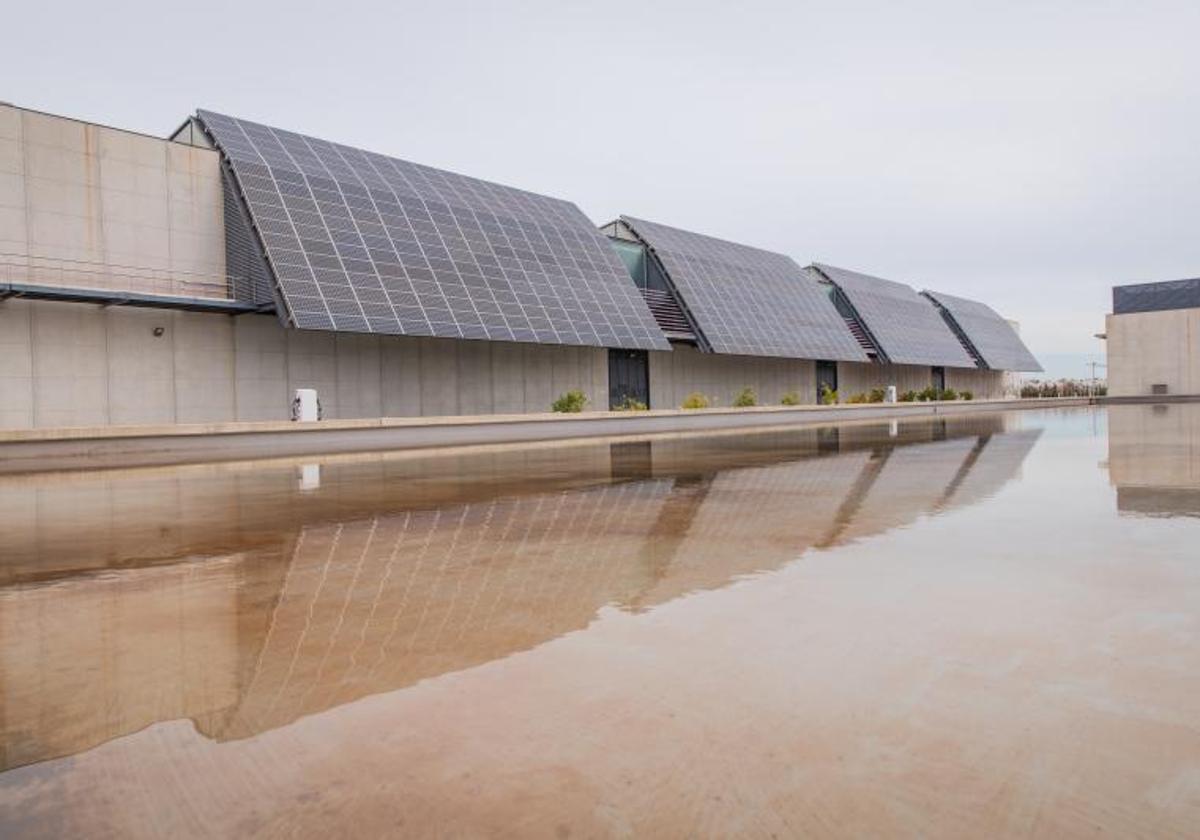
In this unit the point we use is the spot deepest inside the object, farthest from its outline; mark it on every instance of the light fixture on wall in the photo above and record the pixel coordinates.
(158, 331)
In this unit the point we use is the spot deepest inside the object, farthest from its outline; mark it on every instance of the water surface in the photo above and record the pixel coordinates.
(972, 626)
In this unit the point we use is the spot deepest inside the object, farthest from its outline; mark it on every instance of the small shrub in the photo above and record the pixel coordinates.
(790, 398)
(966, 395)
(829, 396)
(928, 394)
(745, 398)
(695, 400)
(907, 396)
(877, 395)
(1029, 392)
(631, 404)
(857, 399)
(572, 402)
(948, 394)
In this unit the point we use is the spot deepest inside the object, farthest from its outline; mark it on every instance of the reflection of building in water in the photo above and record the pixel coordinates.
(1154, 458)
(353, 602)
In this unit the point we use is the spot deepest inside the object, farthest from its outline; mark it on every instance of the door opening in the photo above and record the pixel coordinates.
(628, 377)
(939, 378)
(826, 376)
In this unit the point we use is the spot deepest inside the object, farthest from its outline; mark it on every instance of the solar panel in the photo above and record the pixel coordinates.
(907, 326)
(362, 242)
(749, 301)
(1156, 297)
(994, 338)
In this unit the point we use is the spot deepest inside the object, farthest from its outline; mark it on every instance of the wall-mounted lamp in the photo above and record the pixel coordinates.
(158, 331)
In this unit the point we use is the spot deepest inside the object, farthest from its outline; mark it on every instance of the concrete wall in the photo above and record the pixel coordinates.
(676, 374)
(854, 378)
(66, 364)
(983, 384)
(90, 206)
(1149, 348)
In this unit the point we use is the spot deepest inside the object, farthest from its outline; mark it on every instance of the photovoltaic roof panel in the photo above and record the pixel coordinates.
(908, 327)
(362, 242)
(748, 301)
(994, 338)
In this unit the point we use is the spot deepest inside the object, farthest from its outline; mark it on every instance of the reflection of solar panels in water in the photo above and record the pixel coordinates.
(907, 326)
(362, 242)
(994, 338)
(749, 301)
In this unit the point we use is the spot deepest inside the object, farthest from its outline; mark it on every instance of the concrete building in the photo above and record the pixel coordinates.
(1154, 339)
(207, 276)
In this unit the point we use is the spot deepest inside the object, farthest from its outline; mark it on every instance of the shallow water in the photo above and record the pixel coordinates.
(975, 626)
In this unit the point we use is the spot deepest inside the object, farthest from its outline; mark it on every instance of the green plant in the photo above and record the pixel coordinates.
(928, 394)
(572, 402)
(907, 396)
(745, 398)
(790, 398)
(877, 395)
(966, 395)
(829, 396)
(695, 400)
(631, 404)
(949, 394)
(857, 399)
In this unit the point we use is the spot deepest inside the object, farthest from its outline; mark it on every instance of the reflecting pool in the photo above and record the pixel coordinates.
(973, 626)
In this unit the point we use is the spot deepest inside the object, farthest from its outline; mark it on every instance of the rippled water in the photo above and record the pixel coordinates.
(975, 626)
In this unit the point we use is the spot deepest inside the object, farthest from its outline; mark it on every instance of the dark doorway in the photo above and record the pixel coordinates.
(939, 378)
(826, 375)
(628, 377)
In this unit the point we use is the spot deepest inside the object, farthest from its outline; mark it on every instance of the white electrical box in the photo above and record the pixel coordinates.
(306, 408)
(891, 394)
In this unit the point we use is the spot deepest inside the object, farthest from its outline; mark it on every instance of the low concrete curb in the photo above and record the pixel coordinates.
(28, 450)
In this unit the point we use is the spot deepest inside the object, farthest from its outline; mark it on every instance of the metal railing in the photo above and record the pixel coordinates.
(56, 272)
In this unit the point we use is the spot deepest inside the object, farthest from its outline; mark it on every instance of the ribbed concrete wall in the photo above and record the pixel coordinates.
(675, 375)
(86, 205)
(860, 378)
(64, 364)
(1154, 348)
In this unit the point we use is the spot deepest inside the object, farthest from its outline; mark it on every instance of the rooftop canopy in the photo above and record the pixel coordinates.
(360, 242)
(906, 326)
(991, 336)
(746, 300)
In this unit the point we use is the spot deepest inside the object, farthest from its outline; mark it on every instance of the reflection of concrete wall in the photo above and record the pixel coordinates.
(345, 602)
(59, 523)
(86, 205)
(1150, 348)
(64, 364)
(676, 374)
(1154, 445)
(94, 658)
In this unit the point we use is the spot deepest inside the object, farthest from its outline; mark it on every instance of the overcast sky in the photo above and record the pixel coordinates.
(1030, 155)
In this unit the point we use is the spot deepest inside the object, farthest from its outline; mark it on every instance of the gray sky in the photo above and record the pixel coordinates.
(1030, 155)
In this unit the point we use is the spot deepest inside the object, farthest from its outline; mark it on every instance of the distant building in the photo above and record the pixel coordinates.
(206, 277)
(1154, 339)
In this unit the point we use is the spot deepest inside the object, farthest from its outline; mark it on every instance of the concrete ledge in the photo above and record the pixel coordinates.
(28, 450)
(1147, 399)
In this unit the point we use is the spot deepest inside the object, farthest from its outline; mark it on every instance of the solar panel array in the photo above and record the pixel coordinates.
(1156, 297)
(994, 338)
(908, 327)
(749, 301)
(363, 242)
